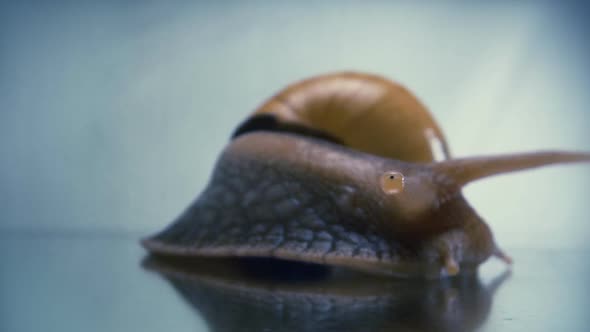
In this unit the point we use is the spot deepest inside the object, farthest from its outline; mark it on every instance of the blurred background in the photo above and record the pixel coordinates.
(112, 114)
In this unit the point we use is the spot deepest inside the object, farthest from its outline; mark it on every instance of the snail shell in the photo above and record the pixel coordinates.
(361, 111)
(347, 170)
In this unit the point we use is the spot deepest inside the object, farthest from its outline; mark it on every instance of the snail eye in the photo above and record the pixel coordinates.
(392, 182)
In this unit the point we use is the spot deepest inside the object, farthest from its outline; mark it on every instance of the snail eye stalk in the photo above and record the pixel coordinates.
(392, 183)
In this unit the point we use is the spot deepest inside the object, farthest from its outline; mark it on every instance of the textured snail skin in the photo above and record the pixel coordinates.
(291, 188)
(279, 195)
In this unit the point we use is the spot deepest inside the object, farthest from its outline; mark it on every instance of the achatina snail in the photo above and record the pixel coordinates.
(350, 170)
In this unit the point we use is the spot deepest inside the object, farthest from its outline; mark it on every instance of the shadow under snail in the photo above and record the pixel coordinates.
(345, 169)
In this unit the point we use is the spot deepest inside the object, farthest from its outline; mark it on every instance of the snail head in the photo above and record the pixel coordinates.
(419, 193)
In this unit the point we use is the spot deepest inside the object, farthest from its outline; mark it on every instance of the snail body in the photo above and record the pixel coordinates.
(345, 170)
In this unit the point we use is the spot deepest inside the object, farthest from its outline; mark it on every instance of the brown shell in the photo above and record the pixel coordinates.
(366, 112)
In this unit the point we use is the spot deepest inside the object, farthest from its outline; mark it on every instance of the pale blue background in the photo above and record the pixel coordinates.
(112, 114)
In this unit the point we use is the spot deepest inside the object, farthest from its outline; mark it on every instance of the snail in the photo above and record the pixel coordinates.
(347, 170)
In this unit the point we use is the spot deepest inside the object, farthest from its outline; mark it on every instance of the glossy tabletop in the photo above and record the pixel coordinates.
(105, 282)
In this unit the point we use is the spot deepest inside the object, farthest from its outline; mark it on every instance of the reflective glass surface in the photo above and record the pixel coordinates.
(104, 282)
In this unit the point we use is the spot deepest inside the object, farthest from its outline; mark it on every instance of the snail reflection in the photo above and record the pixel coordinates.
(258, 295)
